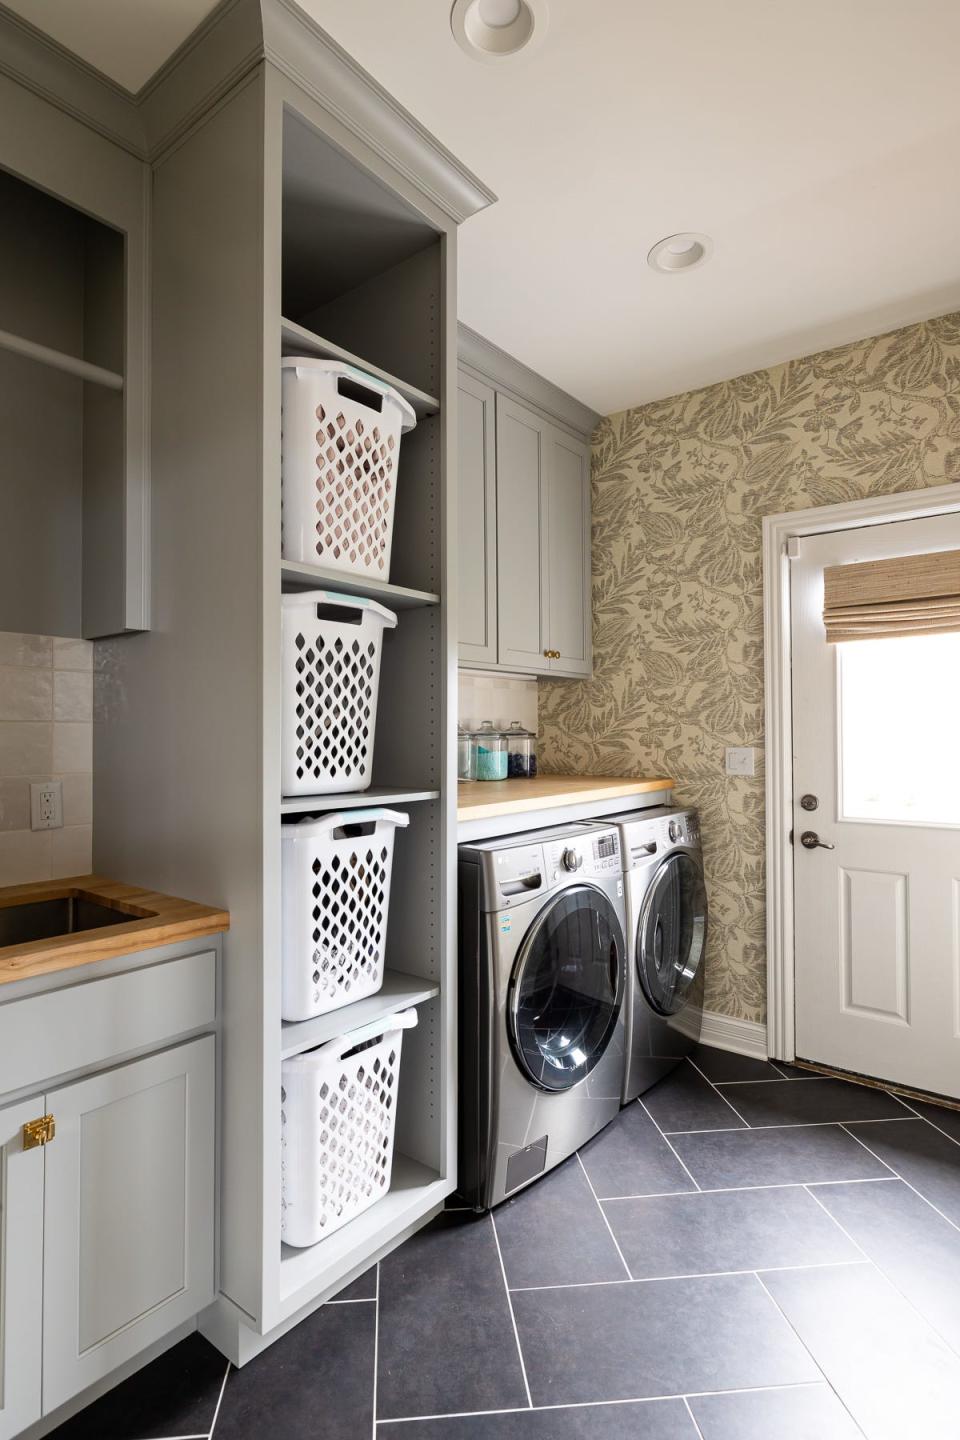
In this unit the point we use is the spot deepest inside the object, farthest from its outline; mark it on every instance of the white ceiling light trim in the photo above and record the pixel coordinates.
(495, 30)
(683, 251)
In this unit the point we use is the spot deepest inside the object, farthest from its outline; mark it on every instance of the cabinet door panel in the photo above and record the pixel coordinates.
(569, 608)
(21, 1263)
(477, 550)
(128, 1213)
(521, 537)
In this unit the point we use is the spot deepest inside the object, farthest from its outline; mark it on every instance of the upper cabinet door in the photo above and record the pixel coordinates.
(21, 1263)
(569, 610)
(477, 552)
(128, 1213)
(522, 550)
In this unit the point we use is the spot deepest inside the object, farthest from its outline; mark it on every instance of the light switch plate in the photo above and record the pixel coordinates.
(740, 760)
(46, 805)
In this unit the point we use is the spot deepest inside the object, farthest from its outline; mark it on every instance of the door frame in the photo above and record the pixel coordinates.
(780, 534)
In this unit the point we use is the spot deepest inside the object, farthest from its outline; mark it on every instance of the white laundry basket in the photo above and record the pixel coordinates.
(339, 455)
(330, 678)
(338, 1114)
(336, 898)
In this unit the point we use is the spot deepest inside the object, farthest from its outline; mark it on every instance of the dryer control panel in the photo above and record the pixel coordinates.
(585, 854)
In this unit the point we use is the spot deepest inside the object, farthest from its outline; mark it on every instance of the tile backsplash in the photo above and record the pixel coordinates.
(46, 732)
(485, 695)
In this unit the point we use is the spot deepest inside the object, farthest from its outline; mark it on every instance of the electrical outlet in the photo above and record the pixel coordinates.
(46, 805)
(740, 760)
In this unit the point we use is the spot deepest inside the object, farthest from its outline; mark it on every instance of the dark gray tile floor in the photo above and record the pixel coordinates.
(748, 1254)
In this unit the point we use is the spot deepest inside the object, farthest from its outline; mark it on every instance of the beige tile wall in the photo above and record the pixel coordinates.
(46, 731)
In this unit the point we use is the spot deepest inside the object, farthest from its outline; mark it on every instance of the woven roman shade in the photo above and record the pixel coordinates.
(879, 599)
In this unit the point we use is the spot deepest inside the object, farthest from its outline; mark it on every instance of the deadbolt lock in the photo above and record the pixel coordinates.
(808, 802)
(39, 1132)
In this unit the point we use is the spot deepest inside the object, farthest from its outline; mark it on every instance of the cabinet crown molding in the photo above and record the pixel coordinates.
(236, 37)
(505, 373)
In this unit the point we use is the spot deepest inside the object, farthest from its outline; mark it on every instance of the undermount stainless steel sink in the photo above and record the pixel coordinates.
(46, 919)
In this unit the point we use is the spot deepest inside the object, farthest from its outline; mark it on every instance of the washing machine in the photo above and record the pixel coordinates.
(666, 917)
(543, 980)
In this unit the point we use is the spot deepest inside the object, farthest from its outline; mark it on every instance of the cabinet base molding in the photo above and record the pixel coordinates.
(123, 1372)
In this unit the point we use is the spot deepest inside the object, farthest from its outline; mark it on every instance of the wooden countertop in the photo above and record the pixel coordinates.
(160, 920)
(485, 799)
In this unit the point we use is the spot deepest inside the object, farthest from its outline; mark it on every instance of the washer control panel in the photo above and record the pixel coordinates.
(596, 854)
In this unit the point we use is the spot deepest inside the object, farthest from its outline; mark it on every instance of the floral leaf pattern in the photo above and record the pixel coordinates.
(680, 488)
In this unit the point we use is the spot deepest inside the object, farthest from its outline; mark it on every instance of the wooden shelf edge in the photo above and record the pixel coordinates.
(296, 576)
(400, 991)
(357, 799)
(297, 339)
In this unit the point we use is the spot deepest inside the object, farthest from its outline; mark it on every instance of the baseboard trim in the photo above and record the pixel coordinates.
(726, 1032)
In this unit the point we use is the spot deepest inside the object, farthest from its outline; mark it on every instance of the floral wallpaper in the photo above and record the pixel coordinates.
(680, 487)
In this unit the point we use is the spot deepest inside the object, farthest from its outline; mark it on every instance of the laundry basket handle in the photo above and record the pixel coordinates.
(339, 819)
(372, 382)
(403, 1020)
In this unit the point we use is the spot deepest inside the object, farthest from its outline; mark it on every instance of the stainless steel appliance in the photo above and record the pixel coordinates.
(543, 978)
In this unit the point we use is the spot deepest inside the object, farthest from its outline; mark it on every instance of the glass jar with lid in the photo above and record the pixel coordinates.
(521, 752)
(466, 760)
(489, 752)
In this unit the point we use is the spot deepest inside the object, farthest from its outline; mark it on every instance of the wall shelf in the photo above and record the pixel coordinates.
(399, 992)
(295, 576)
(415, 1191)
(297, 340)
(357, 799)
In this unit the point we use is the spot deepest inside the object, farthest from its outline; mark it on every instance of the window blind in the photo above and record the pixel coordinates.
(879, 599)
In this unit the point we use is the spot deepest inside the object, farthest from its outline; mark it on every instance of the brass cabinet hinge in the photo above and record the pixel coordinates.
(39, 1132)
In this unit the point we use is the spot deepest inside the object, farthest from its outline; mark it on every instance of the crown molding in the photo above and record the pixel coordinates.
(493, 364)
(233, 39)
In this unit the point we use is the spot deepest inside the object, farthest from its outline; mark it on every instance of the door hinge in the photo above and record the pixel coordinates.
(39, 1132)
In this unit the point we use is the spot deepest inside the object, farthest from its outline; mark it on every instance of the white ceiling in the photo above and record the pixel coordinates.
(816, 142)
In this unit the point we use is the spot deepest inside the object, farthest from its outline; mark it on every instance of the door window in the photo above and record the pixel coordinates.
(899, 703)
(672, 933)
(567, 989)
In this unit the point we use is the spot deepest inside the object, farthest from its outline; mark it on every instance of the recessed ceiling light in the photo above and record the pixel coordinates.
(492, 30)
(680, 252)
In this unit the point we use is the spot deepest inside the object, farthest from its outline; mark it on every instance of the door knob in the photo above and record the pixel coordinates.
(810, 840)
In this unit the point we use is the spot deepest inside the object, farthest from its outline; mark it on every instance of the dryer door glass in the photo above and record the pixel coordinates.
(567, 989)
(672, 933)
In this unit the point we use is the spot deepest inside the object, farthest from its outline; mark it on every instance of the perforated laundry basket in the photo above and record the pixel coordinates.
(330, 664)
(339, 455)
(336, 898)
(338, 1114)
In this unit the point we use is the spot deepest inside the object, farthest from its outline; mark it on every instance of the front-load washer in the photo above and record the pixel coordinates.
(543, 975)
(666, 905)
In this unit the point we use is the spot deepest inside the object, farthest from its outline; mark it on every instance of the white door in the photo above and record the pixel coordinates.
(876, 727)
(21, 1264)
(128, 1213)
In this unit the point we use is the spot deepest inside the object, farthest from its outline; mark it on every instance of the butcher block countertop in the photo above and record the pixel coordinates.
(489, 799)
(158, 920)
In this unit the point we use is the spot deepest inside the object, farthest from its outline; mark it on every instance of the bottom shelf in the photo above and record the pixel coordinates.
(415, 1191)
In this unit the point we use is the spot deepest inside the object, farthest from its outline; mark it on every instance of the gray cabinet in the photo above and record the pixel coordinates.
(535, 590)
(21, 1263)
(477, 533)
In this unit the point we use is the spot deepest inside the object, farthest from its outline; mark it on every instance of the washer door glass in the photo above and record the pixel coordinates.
(567, 989)
(672, 933)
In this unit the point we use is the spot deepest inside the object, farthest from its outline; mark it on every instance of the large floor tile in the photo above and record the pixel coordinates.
(791, 1155)
(535, 1230)
(805, 1102)
(631, 1157)
(915, 1247)
(891, 1370)
(726, 1230)
(657, 1337)
(644, 1420)
(924, 1157)
(317, 1380)
(685, 1101)
(948, 1121)
(809, 1412)
(446, 1338)
(174, 1395)
(725, 1065)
